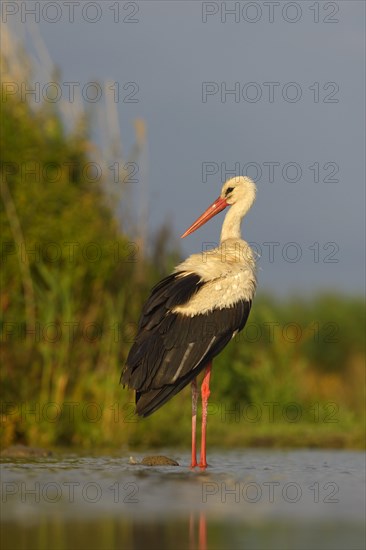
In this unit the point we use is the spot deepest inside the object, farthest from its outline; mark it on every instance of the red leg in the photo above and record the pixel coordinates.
(194, 421)
(205, 394)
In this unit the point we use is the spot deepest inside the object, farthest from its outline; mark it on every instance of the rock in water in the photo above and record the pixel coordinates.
(22, 451)
(155, 460)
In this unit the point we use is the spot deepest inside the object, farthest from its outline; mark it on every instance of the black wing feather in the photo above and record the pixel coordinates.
(171, 349)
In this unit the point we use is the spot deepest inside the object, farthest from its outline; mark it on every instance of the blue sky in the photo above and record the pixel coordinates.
(303, 63)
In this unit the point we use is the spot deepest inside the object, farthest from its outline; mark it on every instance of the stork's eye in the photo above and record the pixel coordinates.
(228, 190)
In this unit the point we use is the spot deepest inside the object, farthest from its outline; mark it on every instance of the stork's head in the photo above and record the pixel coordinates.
(239, 191)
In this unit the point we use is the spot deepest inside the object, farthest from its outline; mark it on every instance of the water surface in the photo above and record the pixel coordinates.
(247, 499)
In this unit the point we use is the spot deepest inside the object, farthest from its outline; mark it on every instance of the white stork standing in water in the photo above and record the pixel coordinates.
(193, 313)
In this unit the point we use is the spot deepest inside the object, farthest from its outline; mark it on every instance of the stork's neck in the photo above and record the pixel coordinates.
(231, 226)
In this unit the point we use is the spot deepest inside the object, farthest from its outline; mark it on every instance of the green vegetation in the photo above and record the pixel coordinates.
(71, 291)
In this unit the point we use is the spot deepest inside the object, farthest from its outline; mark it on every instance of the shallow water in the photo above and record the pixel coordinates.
(248, 499)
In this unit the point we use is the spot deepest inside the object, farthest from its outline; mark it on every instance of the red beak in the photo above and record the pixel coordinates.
(217, 206)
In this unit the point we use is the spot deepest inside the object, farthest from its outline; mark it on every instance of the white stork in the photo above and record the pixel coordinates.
(193, 313)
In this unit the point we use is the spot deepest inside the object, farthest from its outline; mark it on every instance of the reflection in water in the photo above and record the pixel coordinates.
(113, 534)
(202, 532)
(188, 533)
